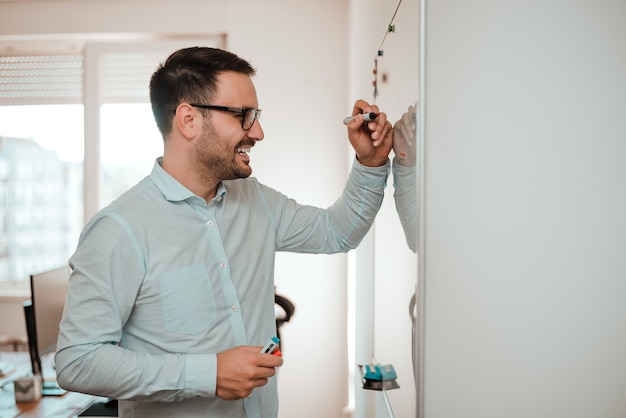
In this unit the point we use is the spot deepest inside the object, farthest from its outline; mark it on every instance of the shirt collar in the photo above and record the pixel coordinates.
(171, 189)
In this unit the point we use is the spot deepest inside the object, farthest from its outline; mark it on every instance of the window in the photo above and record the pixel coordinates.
(130, 142)
(40, 186)
(76, 131)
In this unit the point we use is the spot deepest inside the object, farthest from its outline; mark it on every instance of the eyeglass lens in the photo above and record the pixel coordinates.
(250, 115)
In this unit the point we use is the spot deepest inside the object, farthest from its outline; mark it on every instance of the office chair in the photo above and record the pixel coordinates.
(283, 314)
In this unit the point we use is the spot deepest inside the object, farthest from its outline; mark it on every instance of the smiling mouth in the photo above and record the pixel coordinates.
(243, 153)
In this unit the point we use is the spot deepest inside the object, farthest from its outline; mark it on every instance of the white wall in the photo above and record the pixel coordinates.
(12, 313)
(300, 51)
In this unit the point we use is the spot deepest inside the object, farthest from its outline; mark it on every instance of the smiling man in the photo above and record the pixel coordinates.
(171, 296)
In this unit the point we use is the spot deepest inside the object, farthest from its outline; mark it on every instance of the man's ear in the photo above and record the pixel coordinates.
(187, 120)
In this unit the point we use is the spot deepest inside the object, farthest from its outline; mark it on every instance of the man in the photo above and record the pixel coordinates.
(171, 295)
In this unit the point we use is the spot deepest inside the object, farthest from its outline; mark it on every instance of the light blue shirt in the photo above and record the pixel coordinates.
(405, 193)
(163, 281)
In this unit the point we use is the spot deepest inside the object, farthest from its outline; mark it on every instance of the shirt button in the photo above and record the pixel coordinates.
(223, 265)
(209, 223)
(219, 198)
(233, 308)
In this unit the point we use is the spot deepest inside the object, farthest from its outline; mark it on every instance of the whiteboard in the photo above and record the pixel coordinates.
(522, 278)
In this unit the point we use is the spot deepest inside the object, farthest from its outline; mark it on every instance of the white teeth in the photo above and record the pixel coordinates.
(246, 150)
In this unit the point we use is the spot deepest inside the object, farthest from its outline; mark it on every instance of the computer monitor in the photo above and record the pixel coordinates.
(43, 316)
(35, 361)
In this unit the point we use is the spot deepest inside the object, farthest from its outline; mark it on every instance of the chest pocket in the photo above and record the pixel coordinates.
(187, 299)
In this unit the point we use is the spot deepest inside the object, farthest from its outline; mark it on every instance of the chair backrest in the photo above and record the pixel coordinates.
(287, 308)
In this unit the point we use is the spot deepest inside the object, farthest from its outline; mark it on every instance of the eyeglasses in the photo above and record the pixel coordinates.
(248, 115)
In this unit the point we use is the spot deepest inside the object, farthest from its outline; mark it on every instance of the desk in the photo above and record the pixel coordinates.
(69, 405)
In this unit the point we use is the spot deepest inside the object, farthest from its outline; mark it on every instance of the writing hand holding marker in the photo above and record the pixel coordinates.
(370, 134)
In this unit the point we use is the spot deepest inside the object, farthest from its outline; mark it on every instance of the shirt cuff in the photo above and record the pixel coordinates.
(404, 178)
(373, 178)
(201, 374)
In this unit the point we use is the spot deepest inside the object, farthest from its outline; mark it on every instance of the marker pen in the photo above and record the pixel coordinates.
(366, 117)
(272, 347)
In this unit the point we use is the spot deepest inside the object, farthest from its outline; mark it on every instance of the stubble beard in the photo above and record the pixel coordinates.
(215, 160)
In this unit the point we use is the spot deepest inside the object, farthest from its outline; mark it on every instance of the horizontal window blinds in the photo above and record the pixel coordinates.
(38, 79)
(55, 73)
(125, 76)
(47, 79)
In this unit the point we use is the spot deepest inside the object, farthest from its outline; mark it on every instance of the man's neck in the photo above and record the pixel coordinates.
(205, 188)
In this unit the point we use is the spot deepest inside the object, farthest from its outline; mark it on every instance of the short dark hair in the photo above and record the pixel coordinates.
(190, 75)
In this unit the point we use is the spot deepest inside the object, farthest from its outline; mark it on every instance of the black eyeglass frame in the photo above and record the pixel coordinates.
(242, 111)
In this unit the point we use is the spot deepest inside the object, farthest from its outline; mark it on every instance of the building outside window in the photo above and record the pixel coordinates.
(40, 187)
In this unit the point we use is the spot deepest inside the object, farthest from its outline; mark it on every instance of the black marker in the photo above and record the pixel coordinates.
(366, 117)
